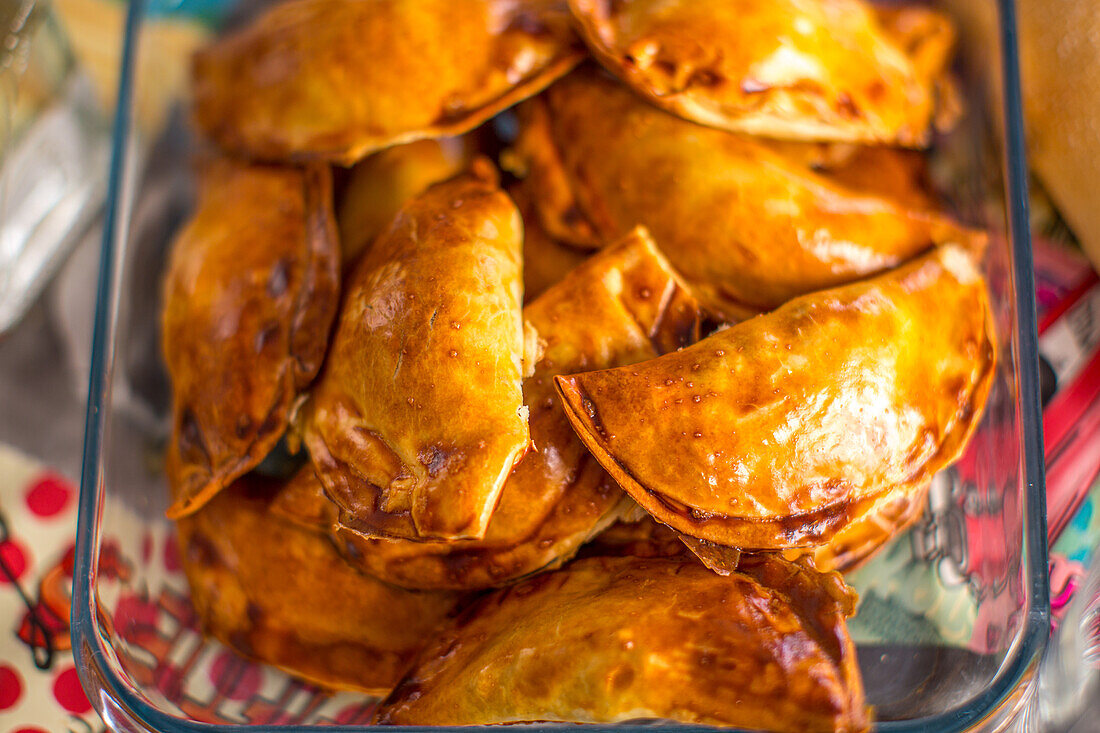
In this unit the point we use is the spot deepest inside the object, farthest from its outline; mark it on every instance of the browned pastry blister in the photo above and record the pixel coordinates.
(794, 69)
(250, 294)
(609, 639)
(380, 184)
(338, 79)
(621, 306)
(418, 417)
(283, 595)
(747, 224)
(784, 429)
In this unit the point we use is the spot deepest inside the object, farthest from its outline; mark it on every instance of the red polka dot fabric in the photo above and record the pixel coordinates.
(49, 496)
(14, 556)
(11, 687)
(68, 693)
(39, 508)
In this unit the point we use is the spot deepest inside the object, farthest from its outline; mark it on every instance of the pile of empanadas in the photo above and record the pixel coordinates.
(593, 339)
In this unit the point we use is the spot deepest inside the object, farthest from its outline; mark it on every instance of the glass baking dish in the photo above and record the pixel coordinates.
(954, 614)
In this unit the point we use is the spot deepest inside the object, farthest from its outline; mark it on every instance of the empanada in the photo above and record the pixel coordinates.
(613, 639)
(747, 227)
(781, 430)
(794, 69)
(337, 79)
(418, 416)
(250, 295)
(621, 306)
(380, 184)
(284, 596)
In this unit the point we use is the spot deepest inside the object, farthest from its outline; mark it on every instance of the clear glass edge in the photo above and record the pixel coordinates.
(110, 696)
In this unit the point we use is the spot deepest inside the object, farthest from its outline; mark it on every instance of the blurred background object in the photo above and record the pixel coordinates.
(1069, 679)
(1059, 42)
(53, 153)
(58, 67)
(176, 27)
(1060, 68)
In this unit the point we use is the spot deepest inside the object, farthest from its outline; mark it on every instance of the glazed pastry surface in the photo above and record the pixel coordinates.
(250, 294)
(338, 79)
(781, 431)
(747, 224)
(623, 638)
(380, 184)
(621, 306)
(793, 69)
(283, 595)
(418, 417)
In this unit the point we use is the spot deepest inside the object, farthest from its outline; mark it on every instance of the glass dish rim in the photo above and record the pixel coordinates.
(94, 669)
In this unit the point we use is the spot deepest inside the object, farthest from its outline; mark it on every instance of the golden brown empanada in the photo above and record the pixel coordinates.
(284, 596)
(250, 295)
(621, 306)
(748, 228)
(418, 417)
(337, 79)
(613, 639)
(380, 184)
(779, 431)
(795, 69)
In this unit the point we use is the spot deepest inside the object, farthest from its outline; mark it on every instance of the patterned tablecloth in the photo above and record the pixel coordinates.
(38, 508)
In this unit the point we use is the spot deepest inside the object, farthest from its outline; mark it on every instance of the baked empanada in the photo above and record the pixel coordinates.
(748, 228)
(418, 416)
(613, 639)
(284, 596)
(622, 306)
(779, 431)
(250, 294)
(337, 79)
(795, 69)
(380, 184)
